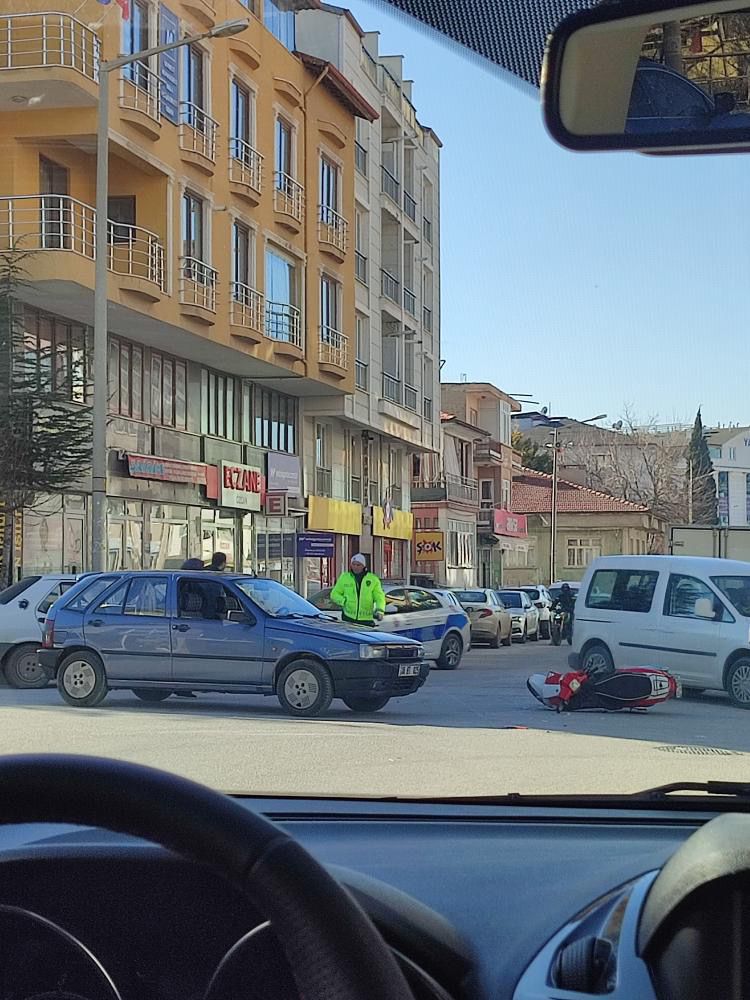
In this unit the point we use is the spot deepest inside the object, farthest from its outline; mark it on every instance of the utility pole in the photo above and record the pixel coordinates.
(553, 518)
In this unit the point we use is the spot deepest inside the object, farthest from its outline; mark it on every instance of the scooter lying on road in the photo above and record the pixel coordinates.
(628, 688)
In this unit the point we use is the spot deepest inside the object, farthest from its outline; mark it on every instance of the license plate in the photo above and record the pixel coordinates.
(408, 670)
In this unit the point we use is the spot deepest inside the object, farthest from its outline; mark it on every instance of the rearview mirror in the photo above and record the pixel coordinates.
(658, 76)
(704, 608)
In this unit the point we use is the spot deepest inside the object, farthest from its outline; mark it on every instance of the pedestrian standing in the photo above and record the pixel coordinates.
(218, 563)
(359, 593)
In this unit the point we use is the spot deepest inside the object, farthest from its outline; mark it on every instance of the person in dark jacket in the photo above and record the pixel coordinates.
(567, 604)
(192, 564)
(218, 563)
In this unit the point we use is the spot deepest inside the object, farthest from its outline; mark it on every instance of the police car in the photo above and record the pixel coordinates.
(433, 617)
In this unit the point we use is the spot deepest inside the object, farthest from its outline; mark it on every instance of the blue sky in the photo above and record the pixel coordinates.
(592, 281)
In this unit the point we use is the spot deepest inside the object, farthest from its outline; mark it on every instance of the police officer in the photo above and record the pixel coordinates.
(359, 593)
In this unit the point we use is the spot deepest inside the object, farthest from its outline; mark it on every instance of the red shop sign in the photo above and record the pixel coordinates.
(505, 522)
(168, 470)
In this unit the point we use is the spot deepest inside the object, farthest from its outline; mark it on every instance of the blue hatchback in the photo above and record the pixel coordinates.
(159, 634)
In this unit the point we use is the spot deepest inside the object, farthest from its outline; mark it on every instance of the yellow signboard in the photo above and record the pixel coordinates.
(339, 516)
(429, 546)
(401, 525)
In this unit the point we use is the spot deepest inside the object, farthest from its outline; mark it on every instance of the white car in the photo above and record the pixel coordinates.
(523, 615)
(431, 616)
(542, 600)
(23, 608)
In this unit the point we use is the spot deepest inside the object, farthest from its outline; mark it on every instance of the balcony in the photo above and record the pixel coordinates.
(52, 54)
(333, 232)
(390, 184)
(392, 388)
(360, 267)
(140, 98)
(288, 201)
(411, 398)
(410, 301)
(448, 487)
(410, 206)
(283, 326)
(198, 282)
(427, 319)
(137, 255)
(390, 286)
(198, 131)
(361, 375)
(246, 312)
(491, 452)
(323, 482)
(245, 170)
(333, 351)
(360, 158)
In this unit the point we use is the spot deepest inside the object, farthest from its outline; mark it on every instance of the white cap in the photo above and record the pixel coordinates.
(359, 558)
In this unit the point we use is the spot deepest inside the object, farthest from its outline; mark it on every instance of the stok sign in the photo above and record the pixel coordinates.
(240, 486)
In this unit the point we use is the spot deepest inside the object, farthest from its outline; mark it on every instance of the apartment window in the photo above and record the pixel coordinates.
(427, 208)
(284, 160)
(362, 366)
(193, 84)
(461, 544)
(474, 417)
(323, 474)
(581, 551)
(121, 215)
(360, 145)
(125, 377)
(722, 496)
(504, 419)
(60, 354)
(242, 110)
(486, 493)
(279, 20)
(242, 273)
(168, 391)
(732, 454)
(506, 494)
(193, 209)
(361, 244)
(275, 420)
(329, 188)
(217, 404)
(282, 315)
(747, 497)
(355, 468)
(373, 472)
(330, 291)
(135, 38)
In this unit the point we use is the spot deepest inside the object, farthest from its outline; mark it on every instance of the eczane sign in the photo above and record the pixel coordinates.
(240, 486)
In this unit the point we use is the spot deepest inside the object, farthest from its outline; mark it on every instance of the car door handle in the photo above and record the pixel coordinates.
(96, 622)
(180, 628)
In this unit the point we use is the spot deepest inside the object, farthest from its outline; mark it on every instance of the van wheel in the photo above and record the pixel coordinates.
(23, 670)
(450, 652)
(304, 688)
(82, 680)
(151, 694)
(738, 682)
(597, 660)
(366, 702)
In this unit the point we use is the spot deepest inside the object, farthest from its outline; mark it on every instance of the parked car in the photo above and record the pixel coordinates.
(490, 622)
(23, 608)
(542, 601)
(163, 633)
(685, 614)
(524, 616)
(429, 616)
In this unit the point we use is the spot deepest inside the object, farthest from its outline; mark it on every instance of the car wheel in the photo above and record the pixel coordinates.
(366, 702)
(82, 680)
(495, 640)
(535, 636)
(544, 629)
(450, 652)
(597, 660)
(522, 637)
(508, 640)
(23, 670)
(305, 688)
(151, 694)
(738, 682)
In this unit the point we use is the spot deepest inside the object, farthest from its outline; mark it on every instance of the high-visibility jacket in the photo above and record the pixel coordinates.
(359, 599)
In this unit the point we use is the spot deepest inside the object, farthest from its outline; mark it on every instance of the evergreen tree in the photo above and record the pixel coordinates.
(533, 456)
(701, 488)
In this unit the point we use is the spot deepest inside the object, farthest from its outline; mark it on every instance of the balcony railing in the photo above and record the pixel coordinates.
(135, 252)
(360, 158)
(389, 285)
(140, 90)
(333, 348)
(333, 228)
(323, 482)
(283, 323)
(427, 229)
(410, 206)
(391, 186)
(289, 196)
(427, 408)
(410, 302)
(361, 375)
(427, 318)
(198, 131)
(389, 85)
(392, 388)
(198, 281)
(246, 307)
(245, 164)
(360, 266)
(447, 487)
(411, 398)
(42, 41)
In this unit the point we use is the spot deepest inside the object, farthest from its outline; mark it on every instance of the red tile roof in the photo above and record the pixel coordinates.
(532, 494)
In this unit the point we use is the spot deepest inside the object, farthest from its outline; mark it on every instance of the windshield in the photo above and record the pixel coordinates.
(379, 353)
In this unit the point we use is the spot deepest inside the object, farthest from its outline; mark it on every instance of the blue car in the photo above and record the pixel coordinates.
(164, 633)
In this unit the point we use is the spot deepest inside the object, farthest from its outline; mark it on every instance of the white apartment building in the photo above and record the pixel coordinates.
(729, 448)
(359, 448)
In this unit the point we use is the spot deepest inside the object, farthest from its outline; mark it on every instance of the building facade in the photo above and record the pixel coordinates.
(729, 448)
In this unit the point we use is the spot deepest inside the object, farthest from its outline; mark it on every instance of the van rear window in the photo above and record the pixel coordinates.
(622, 590)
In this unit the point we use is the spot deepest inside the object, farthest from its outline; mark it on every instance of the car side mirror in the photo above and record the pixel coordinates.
(724, 103)
(240, 618)
(391, 609)
(704, 608)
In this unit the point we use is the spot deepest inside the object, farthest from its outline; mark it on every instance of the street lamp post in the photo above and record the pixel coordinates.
(101, 224)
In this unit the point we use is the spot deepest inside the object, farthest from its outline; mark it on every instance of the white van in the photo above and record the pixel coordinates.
(686, 614)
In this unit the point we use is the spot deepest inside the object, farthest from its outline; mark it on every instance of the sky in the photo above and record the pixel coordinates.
(594, 282)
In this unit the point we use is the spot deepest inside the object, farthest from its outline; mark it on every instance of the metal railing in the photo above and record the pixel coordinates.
(411, 398)
(371, 67)
(283, 323)
(389, 85)
(427, 229)
(361, 375)
(390, 184)
(332, 228)
(288, 195)
(427, 408)
(135, 252)
(198, 282)
(410, 301)
(198, 131)
(461, 488)
(245, 164)
(246, 307)
(44, 40)
(427, 318)
(323, 482)
(140, 90)
(392, 389)
(389, 285)
(410, 206)
(360, 266)
(360, 158)
(333, 348)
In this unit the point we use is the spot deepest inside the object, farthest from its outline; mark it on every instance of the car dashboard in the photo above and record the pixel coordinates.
(475, 901)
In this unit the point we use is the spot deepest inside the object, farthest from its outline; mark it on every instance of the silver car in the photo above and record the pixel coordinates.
(524, 616)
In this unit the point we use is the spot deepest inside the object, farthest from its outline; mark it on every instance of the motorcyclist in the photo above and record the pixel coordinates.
(359, 593)
(566, 602)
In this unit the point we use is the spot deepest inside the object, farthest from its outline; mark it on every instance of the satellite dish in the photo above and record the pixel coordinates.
(545, 410)
(617, 426)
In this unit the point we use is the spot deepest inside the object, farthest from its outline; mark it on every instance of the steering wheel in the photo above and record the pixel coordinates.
(334, 951)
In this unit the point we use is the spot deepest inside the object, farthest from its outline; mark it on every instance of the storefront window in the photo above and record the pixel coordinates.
(217, 535)
(393, 559)
(43, 537)
(168, 536)
(275, 546)
(125, 534)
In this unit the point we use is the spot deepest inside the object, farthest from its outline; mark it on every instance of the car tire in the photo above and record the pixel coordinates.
(22, 669)
(304, 688)
(597, 659)
(495, 640)
(450, 652)
(535, 636)
(523, 636)
(82, 680)
(151, 694)
(737, 683)
(508, 640)
(366, 702)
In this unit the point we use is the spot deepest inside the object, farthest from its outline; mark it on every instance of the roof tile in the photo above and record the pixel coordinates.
(532, 494)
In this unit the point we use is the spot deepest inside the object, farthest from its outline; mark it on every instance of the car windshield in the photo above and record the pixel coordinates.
(276, 600)
(736, 589)
(534, 594)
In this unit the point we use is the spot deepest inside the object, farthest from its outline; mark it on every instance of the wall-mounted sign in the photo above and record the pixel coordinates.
(429, 546)
(283, 472)
(316, 544)
(275, 504)
(505, 522)
(240, 486)
(167, 470)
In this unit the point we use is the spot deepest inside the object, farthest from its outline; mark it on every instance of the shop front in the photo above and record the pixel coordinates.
(334, 528)
(502, 538)
(392, 532)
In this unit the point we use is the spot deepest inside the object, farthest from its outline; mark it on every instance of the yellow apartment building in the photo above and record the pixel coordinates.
(231, 264)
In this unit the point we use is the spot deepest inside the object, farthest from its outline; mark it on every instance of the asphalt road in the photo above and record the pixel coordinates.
(474, 731)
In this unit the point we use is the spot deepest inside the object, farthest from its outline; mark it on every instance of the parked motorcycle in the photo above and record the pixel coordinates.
(628, 688)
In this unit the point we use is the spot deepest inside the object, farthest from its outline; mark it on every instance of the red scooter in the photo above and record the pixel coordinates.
(628, 688)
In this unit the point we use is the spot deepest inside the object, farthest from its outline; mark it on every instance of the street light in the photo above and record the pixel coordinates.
(99, 407)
